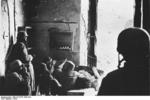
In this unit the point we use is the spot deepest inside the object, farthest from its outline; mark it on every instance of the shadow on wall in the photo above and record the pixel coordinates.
(11, 42)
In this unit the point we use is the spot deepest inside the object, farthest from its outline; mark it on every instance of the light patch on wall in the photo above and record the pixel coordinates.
(19, 15)
(83, 31)
(4, 32)
(7, 27)
(113, 17)
(1, 46)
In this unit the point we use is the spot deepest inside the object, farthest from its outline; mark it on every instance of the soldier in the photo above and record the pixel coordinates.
(133, 78)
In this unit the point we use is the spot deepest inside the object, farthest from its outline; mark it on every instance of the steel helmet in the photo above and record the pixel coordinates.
(134, 42)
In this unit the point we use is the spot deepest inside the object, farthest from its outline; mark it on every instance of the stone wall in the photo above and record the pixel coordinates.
(62, 14)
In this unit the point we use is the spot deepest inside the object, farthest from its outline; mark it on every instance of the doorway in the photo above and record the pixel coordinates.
(113, 16)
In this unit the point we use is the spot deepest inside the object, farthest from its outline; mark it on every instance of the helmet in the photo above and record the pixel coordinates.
(133, 42)
(68, 66)
(22, 34)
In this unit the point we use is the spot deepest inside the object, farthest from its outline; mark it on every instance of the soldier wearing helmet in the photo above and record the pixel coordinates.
(133, 78)
(19, 51)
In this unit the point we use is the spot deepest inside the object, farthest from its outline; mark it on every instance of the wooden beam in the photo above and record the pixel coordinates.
(138, 13)
(146, 14)
(92, 26)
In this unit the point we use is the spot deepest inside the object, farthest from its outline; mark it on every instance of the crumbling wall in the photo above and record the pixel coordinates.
(54, 13)
(11, 16)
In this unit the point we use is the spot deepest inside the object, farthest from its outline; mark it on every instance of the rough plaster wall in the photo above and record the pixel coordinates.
(19, 15)
(83, 31)
(66, 10)
(11, 17)
(113, 17)
(55, 10)
(1, 46)
(5, 33)
(7, 27)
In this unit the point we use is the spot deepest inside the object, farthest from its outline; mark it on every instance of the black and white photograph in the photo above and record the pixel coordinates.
(74, 48)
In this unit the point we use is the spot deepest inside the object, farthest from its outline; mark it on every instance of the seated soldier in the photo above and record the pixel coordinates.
(57, 73)
(55, 86)
(48, 61)
(17, 80)
(47, 84)
(69, 76)
(19, 51)
(133, 78)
